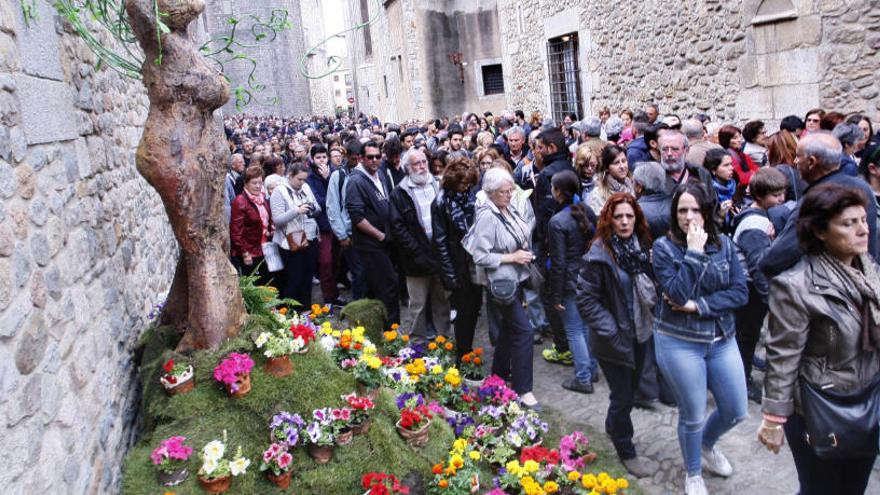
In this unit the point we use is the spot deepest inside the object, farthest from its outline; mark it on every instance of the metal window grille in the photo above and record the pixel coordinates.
(493, 79)
(565, 80)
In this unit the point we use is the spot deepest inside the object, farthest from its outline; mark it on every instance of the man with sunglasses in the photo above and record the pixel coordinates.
(366, 201)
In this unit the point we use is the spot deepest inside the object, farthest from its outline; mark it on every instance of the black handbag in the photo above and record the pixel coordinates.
(503, 291)
(841, 426)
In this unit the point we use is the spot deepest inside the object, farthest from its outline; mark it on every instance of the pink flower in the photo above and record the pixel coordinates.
(284, 460)
(268, 455)
(231, 367)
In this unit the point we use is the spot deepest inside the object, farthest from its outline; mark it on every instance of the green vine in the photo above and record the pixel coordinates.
(28, 11)
(333, 61)
(247, 33)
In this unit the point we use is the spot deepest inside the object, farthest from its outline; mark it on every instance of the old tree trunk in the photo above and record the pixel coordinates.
(183, 155)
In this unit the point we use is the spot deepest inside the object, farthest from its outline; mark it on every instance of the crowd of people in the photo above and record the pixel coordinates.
(659, 250)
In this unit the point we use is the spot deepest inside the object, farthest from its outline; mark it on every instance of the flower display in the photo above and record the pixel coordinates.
(278, 343)
(414, 418)
(304, 331)
(573, 449)
(228, 371)
(319, 314)
(286, 428)
(368, 371)
(175, 373)
(276, 459)
(360, 407)
(215, 465)
(171, 454)
(382, 484)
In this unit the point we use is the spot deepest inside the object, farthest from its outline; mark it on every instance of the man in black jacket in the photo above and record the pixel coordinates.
(556, 157)
(411, 224)
(818, 160)
(367, 193)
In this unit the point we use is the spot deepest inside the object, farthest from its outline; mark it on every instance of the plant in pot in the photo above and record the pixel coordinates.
(382, 484)
(285, 429)
(319, 314)
(304, 331)
(368, 373)
(413, 425)
(342, 425)
(526, 430)
(393, 341)
(360, 413)
(349, 345)
(460, 474)
(216, 473)
(574, 450)
(321, 435)
(277, 463)
(472, 368)
(169, 458)
(442, 348)
(234, 372)
(277, 346)
(178, 378)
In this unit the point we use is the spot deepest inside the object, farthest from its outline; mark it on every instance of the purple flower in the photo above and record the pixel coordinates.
(410, 399)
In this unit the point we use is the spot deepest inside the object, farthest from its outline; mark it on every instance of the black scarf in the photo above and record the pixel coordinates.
(461, 210)
(629, 255)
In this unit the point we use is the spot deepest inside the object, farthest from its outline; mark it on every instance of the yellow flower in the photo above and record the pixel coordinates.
(609, 486)
(337, 334)
(474, 455)
(436, 369)
(358, 334)
(574, 476)
(622, 484)
(603, 476)
(432, 346)
(395, 326)
(531, 466)
(369, 349)
(325, 309)
(372, 361)
(440, 339)
(459, 445)
(390, 335)
(551, 487)
(456, 461)
(589, 481)
(514, 468)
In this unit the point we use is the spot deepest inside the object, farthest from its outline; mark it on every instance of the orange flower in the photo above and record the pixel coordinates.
(357, 346)
(432, 346)
(344, 344)
(448, 346)
(325, 309)
(478, 361)
(443, 483)
(405, 338)
(458, 463)
(395, 326)
(466, 358)
(283, 311)
(440, 339)
(478, 351)
(437, 469)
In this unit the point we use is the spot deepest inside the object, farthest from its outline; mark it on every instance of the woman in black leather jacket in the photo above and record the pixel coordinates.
(568, 235)
(452, 215)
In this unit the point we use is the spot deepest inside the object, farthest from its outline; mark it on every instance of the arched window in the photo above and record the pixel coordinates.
(774, 11)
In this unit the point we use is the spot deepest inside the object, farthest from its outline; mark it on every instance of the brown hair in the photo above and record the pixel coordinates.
(605, 226)
(830, 120)
(252, 173)
(781, 148)
(766, 181)
(819, 206)
(459, 171)
(726, 135)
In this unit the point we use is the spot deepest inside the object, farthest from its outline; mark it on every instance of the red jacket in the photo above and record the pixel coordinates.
(245, 227)
(743, 167)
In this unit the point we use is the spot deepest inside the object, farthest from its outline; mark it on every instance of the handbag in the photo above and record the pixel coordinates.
(535, 281)
(841, 425)
(272, 257)
(503, 291)
(296, 238)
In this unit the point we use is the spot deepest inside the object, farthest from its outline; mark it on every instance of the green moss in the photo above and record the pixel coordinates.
(369, 313)
(204, 413)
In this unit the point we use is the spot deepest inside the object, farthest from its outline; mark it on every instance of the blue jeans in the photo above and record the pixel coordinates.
(535, 309)
(690, 367)
(578, 336)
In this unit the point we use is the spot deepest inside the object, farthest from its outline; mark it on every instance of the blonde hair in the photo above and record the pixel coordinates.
(485, 139)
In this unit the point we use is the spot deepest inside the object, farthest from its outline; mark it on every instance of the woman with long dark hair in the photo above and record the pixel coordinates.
(731, 139)
(616, 295)
(569, 233)
(702, 285)
(613, 176)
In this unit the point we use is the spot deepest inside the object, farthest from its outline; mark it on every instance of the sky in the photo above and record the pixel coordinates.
(334, 21)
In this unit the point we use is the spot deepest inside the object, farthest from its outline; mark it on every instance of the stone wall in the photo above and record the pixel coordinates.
(320, 89)
(85, 251)
(710, 56)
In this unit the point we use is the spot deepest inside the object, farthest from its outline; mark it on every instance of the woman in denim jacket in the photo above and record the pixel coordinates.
(702, 284)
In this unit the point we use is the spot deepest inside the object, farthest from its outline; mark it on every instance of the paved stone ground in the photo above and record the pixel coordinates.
(756, 470)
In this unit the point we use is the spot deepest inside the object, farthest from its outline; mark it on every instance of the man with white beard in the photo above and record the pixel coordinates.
(411, 224)
(673, 153)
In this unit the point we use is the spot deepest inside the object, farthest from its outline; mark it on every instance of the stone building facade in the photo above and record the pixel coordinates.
(733, 60)
(424, 59)
(85, 252)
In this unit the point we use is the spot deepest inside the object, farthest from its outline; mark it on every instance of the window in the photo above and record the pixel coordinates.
(348, 79)
(493, 79)
(338, 92)
(335, 78)
(565, 80)
(365, 16)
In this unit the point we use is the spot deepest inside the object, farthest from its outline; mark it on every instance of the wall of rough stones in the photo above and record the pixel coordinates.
(700, 56)
(85, 251)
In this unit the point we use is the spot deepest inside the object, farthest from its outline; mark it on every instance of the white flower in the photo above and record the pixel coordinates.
(238, 466)
(328, 343)
(297, 344)
(214, 450)
(262, 339)
(209, 466)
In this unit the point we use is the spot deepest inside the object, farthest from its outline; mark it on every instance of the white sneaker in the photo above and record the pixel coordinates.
(693, 485)
(715, 462)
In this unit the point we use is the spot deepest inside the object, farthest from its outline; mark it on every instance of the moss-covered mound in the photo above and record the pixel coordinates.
(204, 413)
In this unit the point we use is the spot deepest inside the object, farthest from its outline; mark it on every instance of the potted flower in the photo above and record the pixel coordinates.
(277, 463)
(277, 346)
(526, 430)
(319, 314)
(234, 372)
(342, 425)
(178, 378)
(413, 425)
(304, 332)
(574, 450)
(216, 473)
(360, 413)
(170, 460)
(321, 435)
(441, 348)
(382, 484)
(285, 429)
(472, 368)
(393, 341)
(368, 373)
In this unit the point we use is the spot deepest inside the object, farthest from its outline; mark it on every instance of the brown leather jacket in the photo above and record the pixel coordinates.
(815, 336)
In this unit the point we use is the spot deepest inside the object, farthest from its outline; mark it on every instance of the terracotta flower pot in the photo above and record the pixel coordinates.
(361, 428)
(244, 386)
(364, 391)
(278, 366)
(281, 481)
(321, 453)
(416, 438)
(173, 478)
(345, 437)
(304, 350)
(215, 485)
(185, 383)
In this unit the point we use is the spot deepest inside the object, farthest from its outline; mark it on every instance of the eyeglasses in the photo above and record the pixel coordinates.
(372, 157)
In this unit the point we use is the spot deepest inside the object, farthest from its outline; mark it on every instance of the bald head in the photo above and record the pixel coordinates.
(818, 154)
